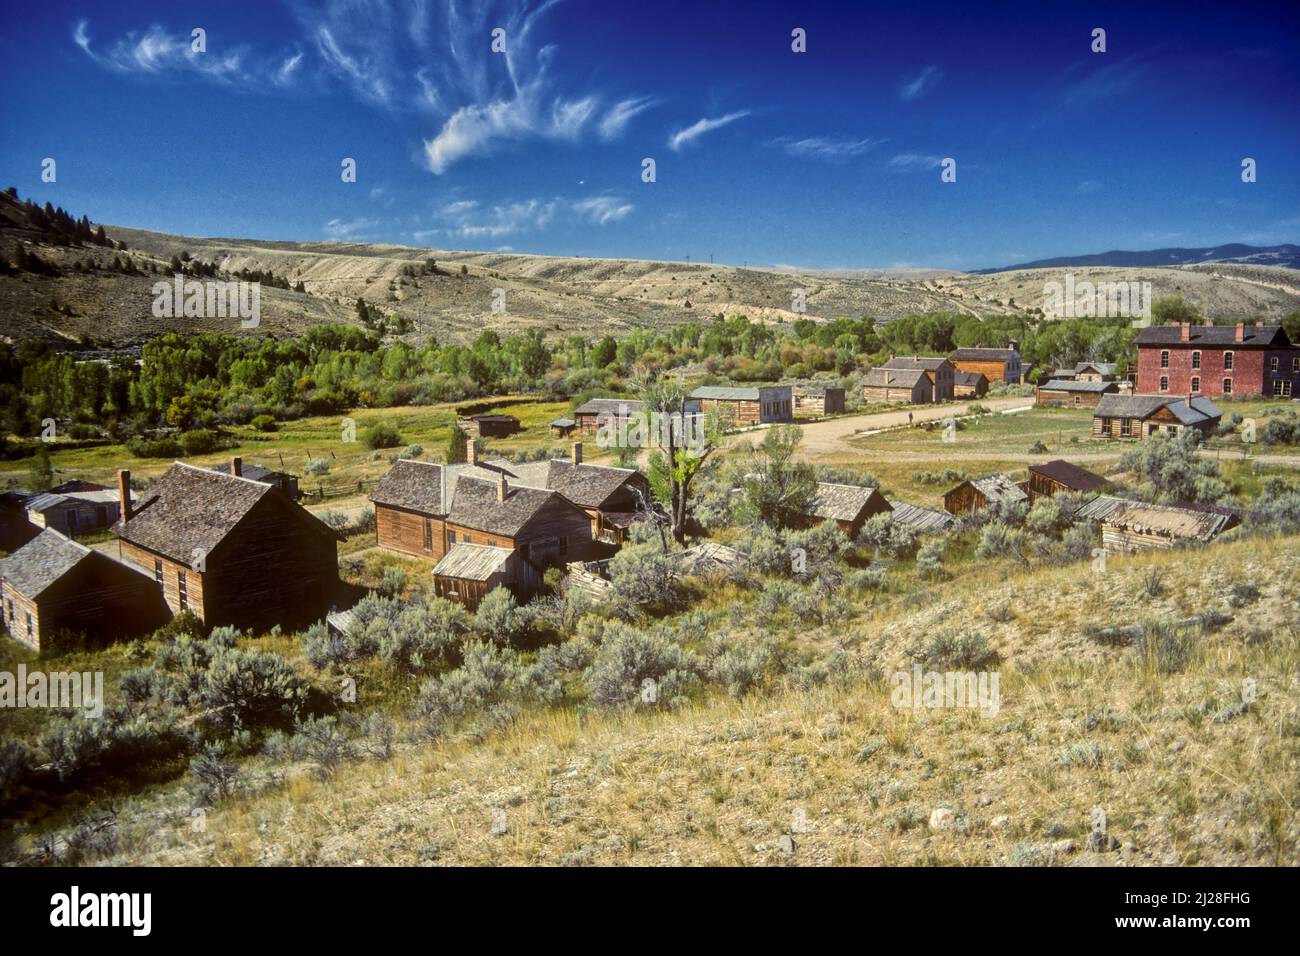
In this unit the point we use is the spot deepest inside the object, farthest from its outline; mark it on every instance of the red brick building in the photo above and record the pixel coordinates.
(1216, 360)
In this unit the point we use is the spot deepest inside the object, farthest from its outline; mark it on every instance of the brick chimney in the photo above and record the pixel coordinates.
(124, 493)
(1240, 335)
(1185, 331)
(575, 453)
(471, 451)
(502, 488)
(237, 466)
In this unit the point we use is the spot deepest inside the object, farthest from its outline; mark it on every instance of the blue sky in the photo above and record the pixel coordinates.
(828, 158)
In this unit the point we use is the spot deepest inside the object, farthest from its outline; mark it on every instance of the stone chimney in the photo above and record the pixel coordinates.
(502, 488)
(1240, 335)
(575, 453)
(124, 493)
(471, 451)
(237, 466)
(1185, 331)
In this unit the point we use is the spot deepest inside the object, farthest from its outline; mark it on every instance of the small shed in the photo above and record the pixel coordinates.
(1062, 477)
(562, 427)
(969, 385)
(467, 572)
(849, 506)
(921, 520)
(1073, 392)
(978, 493)
(1128, 526)
(489, 426)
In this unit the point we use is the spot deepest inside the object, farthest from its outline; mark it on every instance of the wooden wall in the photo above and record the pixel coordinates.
(399, 530)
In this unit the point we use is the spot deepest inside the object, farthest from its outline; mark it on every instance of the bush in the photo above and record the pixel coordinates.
(1282, 430)
(317, 466)
(202, 441)
(16, 760)
(484, 680)
(212, 777)
(499, 618)
(947, 650)
(1038, 448)
(999, 541)
(265, 423)
(383, 434)
(245, 687)
(628, 658)
(393, 582)
(887, 537)
(154, 447)
(742, 666)
(929, 560)
(1166, 647)
(645, 579)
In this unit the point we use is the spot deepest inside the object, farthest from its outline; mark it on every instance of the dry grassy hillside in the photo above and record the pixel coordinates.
(557, 294)
(1186, 772)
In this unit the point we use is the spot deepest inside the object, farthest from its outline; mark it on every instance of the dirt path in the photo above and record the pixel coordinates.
(831, 436)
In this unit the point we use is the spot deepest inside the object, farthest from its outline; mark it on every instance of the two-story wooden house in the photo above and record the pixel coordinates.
(940, 374)
(997, 365)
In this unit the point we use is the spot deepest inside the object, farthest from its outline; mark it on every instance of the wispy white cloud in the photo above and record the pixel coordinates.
(602, 210)
(1106, 79)
(904, 162)
(1088, 186)
(914, 87)
(684, 137)
(617, 118)
(468, 219)
(827, 150)
(351, 230)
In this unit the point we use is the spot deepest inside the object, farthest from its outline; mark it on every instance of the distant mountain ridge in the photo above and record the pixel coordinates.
(1286, 255)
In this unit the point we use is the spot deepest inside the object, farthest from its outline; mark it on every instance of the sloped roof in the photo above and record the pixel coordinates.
(927, 362)
(999, 488)
(45, 501)
(475, 505)
(41, 562)
(609, 406)
(1255, 336)
(1071, 385)
(985, 355)
(251, 472)
(726, 393)
(586, 485)
(918, 518)
(1070, 475)
(839, 502)
(1167, 520)
(413, 485)
(968, 378)
(1144, 406)
(882, 377)
(474, 562)
(1104, 368)
(563, 423)
(709, 558)
(192, 509)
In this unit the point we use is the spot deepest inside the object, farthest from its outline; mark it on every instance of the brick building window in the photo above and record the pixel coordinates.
(1196, 360)
(1164, 383)
(1227, 361)
(1164, 359)
(1272, 362)
(1196, 383)
(1227, 386)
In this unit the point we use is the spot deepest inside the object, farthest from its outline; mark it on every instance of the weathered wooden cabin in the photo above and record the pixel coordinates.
(849, 506)
(741, 407)
(1140, 416)
(979, 493)
(997, 365)
(889, 386)
(612, 497)
(231, 550)
(283, 481)
(562, 427)
(1061, 477)
(1074, 393)
(1128, 526)
(489, 426)
(818, 402)
(54, 588)
(969, 384)
(468, 572)
(921, 520)
(74, 508)
(614, 413)
(939, 373)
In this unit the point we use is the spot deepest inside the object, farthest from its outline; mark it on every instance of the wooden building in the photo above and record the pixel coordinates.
(997, 365)
(1140, 416)
(1128, 526)
(1094, 372)
(969, 385)
(920, 520)
(890, 386)
(489, 426)
(231, 550)
(53, 588)
(741, 407)
(939, 372)
(16, 529)
(607, 412)
(282, 481)
(1073, 393)
(468, 572)
(614, 498)
(979, 493)
(74, 508)
(1061, 477)
(818, 402)
(562, 427)
(849, 506)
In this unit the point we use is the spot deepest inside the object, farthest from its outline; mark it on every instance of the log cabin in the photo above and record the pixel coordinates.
(57, 595)
(1140, 416)
(1128, 526)
(606, 412)
(231, 550)
(939, 373)
(979, 493)
(489, 426)
(969, 385)
(74, 507)
(468, 572)
(891, 386)
(742, 407)
(282, 480)
(1073, 393)
(818, 402)
(849, 506)
(1061, 477)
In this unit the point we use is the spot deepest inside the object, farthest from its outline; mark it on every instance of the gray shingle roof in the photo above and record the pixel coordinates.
(609, 406)
(985, 355)
(475, 505)
(927, 362)
(918, 518)
(474, 562)
(1070, 385)
(1219, 335)
(999, 488)
(413, 485)
(1165, 520)
(1144, 406)
(968, 378)
(726, 393)
(1103, 368)
(839, 502)
(893, 377)
(587, 486)
(42, 561)
(192, 509)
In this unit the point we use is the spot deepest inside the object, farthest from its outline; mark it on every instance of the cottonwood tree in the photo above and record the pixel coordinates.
(680, 457)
